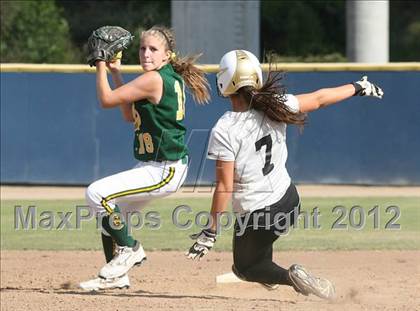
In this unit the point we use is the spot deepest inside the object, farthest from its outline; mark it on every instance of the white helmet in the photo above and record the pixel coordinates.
(238, 68)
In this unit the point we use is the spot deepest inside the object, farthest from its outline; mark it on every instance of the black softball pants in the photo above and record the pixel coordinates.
(253, 250)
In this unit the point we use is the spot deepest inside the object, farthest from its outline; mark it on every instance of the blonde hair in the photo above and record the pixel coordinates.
(194, 78)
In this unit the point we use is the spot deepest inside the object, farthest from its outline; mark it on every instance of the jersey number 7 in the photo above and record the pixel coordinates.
(266, 140)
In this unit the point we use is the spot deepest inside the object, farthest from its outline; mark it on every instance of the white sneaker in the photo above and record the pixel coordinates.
(125, 258)
(100, 283)
(306, 284)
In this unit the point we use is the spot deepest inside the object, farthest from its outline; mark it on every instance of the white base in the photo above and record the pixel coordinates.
(229, 277)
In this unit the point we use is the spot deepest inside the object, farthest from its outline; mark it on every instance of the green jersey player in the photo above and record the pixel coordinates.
(155, 103)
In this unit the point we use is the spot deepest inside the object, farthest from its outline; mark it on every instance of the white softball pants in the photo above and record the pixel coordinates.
(132, 189)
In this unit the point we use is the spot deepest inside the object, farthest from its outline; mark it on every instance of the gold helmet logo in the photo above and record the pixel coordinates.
(238, 70)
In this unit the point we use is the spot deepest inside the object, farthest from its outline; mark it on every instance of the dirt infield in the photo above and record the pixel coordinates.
(46, 280)
(365, 280)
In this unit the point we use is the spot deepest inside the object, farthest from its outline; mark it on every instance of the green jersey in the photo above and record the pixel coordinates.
(159, 128)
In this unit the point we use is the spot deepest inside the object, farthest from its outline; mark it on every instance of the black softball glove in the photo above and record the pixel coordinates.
(105, 43)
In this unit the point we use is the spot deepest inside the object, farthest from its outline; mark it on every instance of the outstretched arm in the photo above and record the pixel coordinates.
(324, 97)
(328, 96)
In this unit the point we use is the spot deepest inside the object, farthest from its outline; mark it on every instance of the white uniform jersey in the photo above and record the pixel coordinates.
(258, 147)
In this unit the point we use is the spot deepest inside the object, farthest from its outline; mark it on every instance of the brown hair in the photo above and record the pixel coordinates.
(270, 99)
(194, 77)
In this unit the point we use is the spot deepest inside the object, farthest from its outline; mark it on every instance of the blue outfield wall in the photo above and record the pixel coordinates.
(54, 132)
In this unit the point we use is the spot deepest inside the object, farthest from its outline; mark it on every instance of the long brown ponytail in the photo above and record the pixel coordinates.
(194, 78)
(271, 99)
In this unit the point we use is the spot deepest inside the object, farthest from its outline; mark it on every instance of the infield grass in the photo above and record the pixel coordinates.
(355, 233)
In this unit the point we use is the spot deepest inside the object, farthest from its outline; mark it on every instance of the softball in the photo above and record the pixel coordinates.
(117, 56)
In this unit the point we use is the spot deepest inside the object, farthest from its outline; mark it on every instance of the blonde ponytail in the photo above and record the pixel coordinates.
(194, 78)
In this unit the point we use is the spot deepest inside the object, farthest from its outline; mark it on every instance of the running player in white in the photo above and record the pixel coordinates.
(155, 103)
(249, 146)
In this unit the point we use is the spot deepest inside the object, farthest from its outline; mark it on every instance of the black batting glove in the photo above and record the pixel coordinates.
(366, 88)
(204, 242)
